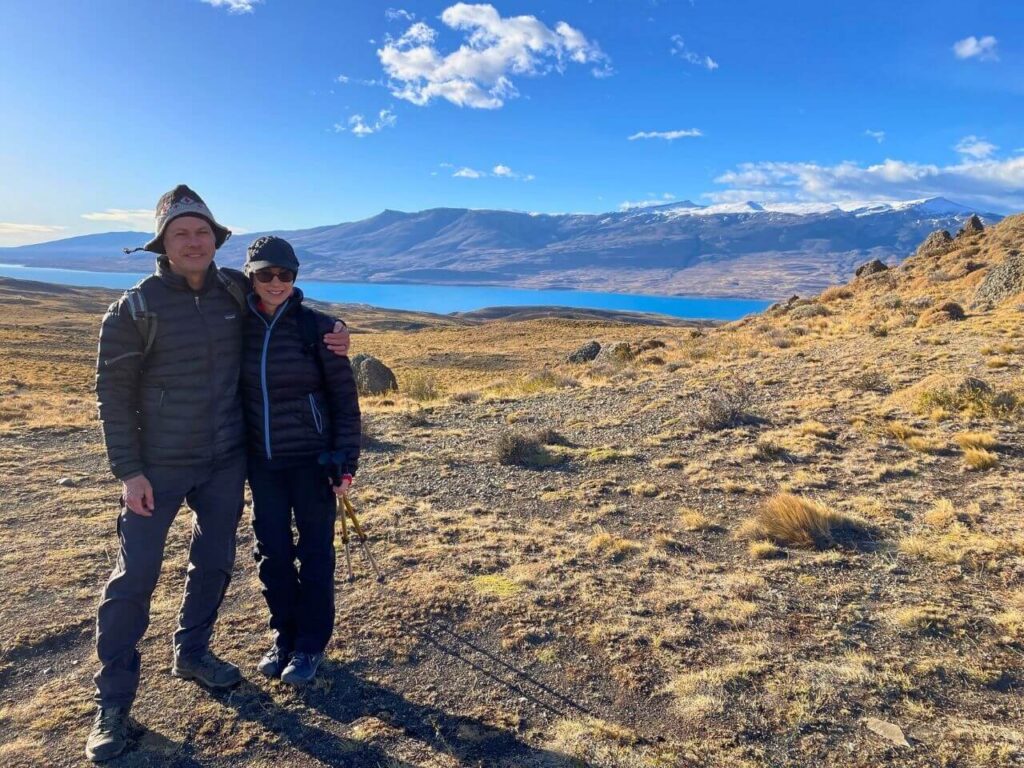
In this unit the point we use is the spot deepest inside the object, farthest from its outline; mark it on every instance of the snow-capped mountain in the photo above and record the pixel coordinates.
(762, 249)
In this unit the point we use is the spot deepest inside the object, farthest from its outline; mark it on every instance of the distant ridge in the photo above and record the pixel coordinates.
(743, 249)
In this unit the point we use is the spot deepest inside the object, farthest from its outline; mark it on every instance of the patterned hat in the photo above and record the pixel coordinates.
(182, 201)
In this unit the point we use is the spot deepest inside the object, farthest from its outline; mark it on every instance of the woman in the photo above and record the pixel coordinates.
(303, 421)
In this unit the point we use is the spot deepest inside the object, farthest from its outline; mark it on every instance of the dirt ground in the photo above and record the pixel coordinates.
(763, 544)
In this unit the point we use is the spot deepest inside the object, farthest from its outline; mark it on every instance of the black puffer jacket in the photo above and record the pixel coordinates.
(179, 405)
(290, 410)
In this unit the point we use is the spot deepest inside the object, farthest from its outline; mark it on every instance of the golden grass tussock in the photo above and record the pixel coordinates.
(610, 546)
(816, 429)
(695, 521)
(980, 459)
(944, 513)
(976, 440)
(1011, 623)
(835, 293)
(925, 444)
(959, 545)
(921, 619)
(796, 521)
(763, 549)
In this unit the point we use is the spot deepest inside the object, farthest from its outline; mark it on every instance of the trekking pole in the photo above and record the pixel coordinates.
(361, 536)
(348, 555)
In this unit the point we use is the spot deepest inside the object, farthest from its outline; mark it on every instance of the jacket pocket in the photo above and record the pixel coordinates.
(318, 419)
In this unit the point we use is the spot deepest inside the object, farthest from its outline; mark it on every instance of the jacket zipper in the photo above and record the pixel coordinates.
(263, 374)
(318, 419)
(210, 380)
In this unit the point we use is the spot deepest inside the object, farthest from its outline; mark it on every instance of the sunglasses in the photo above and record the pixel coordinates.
(266, 276)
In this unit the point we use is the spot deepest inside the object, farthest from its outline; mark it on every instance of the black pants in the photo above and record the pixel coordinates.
(301, 600)
(214, 493)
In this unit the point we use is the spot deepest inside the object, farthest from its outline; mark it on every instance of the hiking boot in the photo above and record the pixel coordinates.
(208, 670)
(273, 662)
(109, 735)
(301, 668)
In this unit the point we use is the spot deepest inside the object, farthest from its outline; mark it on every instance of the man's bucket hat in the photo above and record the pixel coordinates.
(270, 251)
(182, 201)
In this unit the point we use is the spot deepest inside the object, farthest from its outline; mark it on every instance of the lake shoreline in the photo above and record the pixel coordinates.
(445, 298)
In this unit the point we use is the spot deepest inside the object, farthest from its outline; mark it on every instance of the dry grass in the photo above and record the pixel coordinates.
(610, 546)
(976, 440)
(980, 459)
(695, 521)
(796, 521)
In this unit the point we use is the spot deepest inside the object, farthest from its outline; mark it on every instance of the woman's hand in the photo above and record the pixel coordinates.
(341, 489)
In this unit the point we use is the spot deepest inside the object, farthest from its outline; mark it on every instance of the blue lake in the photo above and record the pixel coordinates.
(443, 299)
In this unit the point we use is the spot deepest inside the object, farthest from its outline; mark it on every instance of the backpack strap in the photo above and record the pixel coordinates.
(311, 337)
(233, 287)
(144, 319)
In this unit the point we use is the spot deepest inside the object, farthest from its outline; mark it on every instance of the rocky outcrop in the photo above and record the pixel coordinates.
(372, 376)
(936, 244)
(585, 353)
(1002, 281)
(872, 267)
(972, 227)
(782, 307)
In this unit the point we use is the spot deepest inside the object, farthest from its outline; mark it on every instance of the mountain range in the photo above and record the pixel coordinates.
(746, 249)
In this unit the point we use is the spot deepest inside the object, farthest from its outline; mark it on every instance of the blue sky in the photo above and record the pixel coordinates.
(296, 113)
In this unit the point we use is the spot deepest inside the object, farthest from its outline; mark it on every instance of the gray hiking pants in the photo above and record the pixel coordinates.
(214, 493)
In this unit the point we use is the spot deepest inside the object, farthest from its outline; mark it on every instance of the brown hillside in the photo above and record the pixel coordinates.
(738, 546)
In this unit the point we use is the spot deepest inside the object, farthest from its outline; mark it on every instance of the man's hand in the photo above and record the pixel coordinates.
(337, 341)
(138, 495)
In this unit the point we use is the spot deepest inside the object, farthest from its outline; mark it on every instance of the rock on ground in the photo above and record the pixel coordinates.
(372, 376)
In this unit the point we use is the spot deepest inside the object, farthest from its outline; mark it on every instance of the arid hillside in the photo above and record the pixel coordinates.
(792, 540)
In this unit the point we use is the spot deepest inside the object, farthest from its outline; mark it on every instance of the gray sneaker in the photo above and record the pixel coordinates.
(109, 735)
(301, 668)
(208, 670)
(273, 662)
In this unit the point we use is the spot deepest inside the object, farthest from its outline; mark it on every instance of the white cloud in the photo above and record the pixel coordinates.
(479, 74)
(234, 6)
(666, 135)
(395, 14)
(136, 217)
(878, 136)
(994, 183)
(680, 50)
(972, 146)
(358, 126)
(499, 171)
(983, 49)
(8, 228)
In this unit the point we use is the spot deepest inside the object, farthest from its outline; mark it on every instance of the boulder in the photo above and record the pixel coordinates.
(619, 352)
(372, 376)
(584, 354)
(1002, 281)
(972, 227)
(872, 267)
(936, 244)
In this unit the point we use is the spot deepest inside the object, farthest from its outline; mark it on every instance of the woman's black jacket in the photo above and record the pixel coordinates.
(295, 406)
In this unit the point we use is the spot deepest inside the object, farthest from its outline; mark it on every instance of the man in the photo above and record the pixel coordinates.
(167, 385)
